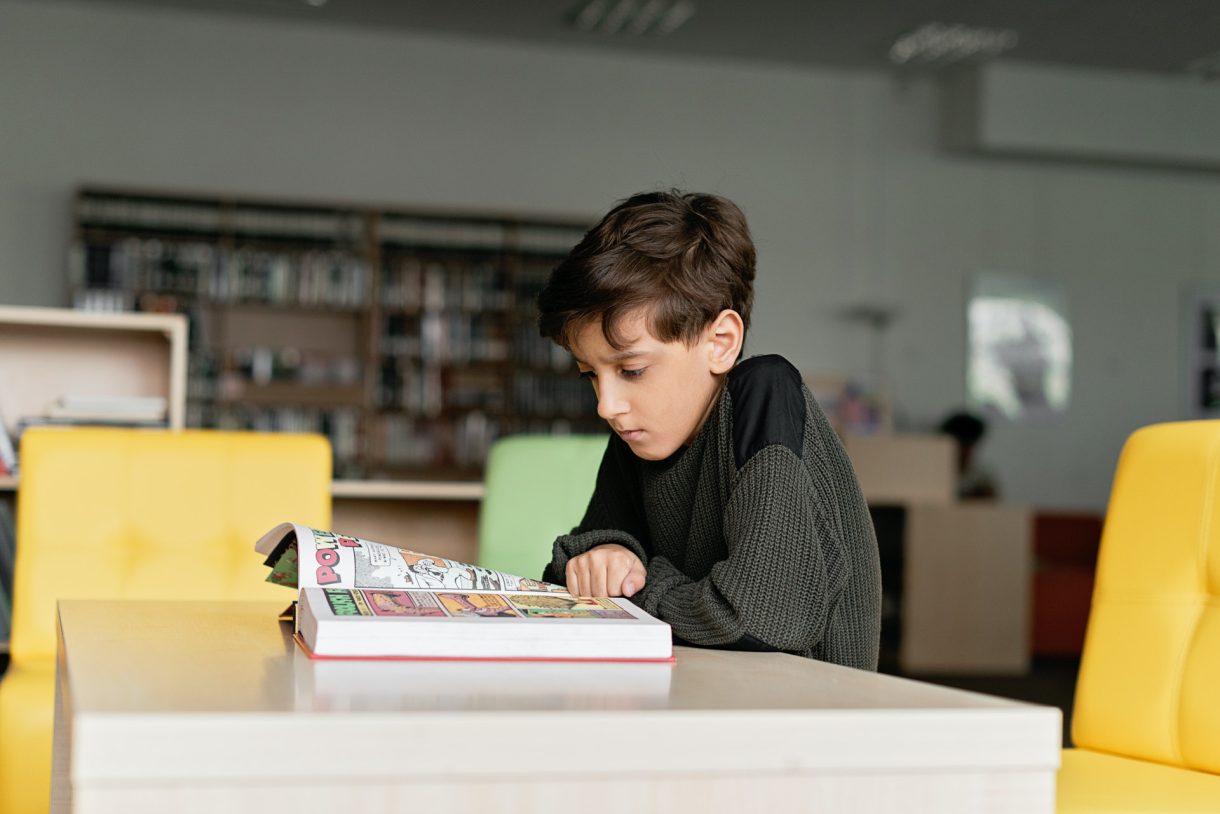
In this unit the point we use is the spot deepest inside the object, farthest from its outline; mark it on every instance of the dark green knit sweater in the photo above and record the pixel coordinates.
(756, 536)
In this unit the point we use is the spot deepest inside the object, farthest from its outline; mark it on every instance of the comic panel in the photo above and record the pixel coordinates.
(284, 569)
(341, 558)
(346, 603)
(402, 603)
(481, 605)
(551, 606)
(381, 566)
(438, 572)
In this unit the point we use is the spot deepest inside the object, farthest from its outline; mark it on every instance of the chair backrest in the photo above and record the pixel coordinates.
(1149, 683)
(537, 488)
(153, 514)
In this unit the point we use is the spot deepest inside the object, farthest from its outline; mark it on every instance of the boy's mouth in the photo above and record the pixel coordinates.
(629, 435)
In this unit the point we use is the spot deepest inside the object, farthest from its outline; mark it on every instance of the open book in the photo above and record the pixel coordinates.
(360, 599)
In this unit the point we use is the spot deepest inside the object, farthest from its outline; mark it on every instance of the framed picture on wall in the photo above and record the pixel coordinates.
(1200, 340)
(1020, 348)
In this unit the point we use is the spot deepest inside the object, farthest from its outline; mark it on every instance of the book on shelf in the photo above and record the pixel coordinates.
(8, 560)
(28, 421)
(362, 599)
(137, 409)
(8, 454)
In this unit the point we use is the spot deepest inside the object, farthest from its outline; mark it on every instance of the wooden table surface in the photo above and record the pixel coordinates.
(210, 706)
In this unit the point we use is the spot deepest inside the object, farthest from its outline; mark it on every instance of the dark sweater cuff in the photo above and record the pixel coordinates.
(573, 545)
(663, 576)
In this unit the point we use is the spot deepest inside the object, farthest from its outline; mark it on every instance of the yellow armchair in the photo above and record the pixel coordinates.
(1146, 722)
(136, 514)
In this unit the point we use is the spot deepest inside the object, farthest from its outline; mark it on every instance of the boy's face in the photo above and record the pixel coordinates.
(655, 395)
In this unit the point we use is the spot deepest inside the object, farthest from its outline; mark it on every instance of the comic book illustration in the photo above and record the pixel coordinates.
(284, 568)
(343, 602)
(401, 603)
(304, 557)
(377, 602)
(471, 604)
(357, 599)
(389, 602)
(566, 607)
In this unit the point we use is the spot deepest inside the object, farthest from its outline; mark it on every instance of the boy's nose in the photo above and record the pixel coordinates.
(609, 404)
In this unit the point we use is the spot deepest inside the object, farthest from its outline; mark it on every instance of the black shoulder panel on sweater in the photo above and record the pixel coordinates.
(768, 406)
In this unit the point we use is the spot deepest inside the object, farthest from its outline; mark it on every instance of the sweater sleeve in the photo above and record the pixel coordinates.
(784, 572)
(613, 515)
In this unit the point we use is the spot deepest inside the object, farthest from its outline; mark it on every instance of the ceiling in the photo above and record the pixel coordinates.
(1164, 36)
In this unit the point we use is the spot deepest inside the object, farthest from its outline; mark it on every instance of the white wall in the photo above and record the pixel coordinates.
(840, 173)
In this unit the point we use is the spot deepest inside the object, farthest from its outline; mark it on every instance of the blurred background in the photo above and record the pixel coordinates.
(1009, 209)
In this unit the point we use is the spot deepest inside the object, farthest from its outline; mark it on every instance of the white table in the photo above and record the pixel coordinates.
(196, 707)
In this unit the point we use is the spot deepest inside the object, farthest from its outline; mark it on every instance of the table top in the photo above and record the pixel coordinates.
(220, 689)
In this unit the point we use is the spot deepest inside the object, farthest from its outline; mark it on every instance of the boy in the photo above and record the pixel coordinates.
(724, 504)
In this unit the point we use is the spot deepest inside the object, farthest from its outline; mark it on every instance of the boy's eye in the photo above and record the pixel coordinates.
(633, 373)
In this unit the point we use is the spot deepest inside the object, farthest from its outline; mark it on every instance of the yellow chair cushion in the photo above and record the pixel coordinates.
(1096, 783)
(1147, 711)
(136, 514)
(1149, 684)
(121, 514)
(27, 712)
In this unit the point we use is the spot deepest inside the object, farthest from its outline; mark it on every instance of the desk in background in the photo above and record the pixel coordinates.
(201, 707)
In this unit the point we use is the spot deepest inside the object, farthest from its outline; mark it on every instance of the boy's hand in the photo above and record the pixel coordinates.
(606, 570)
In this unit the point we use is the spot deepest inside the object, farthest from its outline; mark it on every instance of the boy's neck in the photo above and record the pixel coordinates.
(721, 378)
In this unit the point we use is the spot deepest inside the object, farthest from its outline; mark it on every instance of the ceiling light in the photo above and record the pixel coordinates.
(634, 17)
(944, 43)
(676, 17)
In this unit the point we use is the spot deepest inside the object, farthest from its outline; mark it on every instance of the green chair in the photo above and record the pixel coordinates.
(537, 488)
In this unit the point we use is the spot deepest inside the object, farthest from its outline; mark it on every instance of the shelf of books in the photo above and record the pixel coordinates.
(59, 366)
(407, 337)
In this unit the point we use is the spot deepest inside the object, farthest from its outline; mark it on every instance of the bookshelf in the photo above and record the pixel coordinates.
(50, 353)
(407, 337)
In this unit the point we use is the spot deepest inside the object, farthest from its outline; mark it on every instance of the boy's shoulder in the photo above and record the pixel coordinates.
(768, 406)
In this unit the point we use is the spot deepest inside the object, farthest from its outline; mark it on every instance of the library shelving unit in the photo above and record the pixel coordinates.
(407, 337)
(47, 354)
(50, 353)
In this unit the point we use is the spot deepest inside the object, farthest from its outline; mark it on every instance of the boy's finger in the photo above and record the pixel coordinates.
(572, 579)
(615, 574)
(584, 576)
(635, 579)
(597, 586)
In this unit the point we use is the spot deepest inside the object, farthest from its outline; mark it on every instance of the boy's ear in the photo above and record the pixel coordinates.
(724, 337)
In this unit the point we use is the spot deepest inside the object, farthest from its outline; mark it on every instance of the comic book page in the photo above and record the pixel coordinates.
(302, 557)
(420, 623)
(470, 604)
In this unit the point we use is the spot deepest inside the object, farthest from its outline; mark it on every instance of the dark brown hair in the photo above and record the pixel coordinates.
(683, 257)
